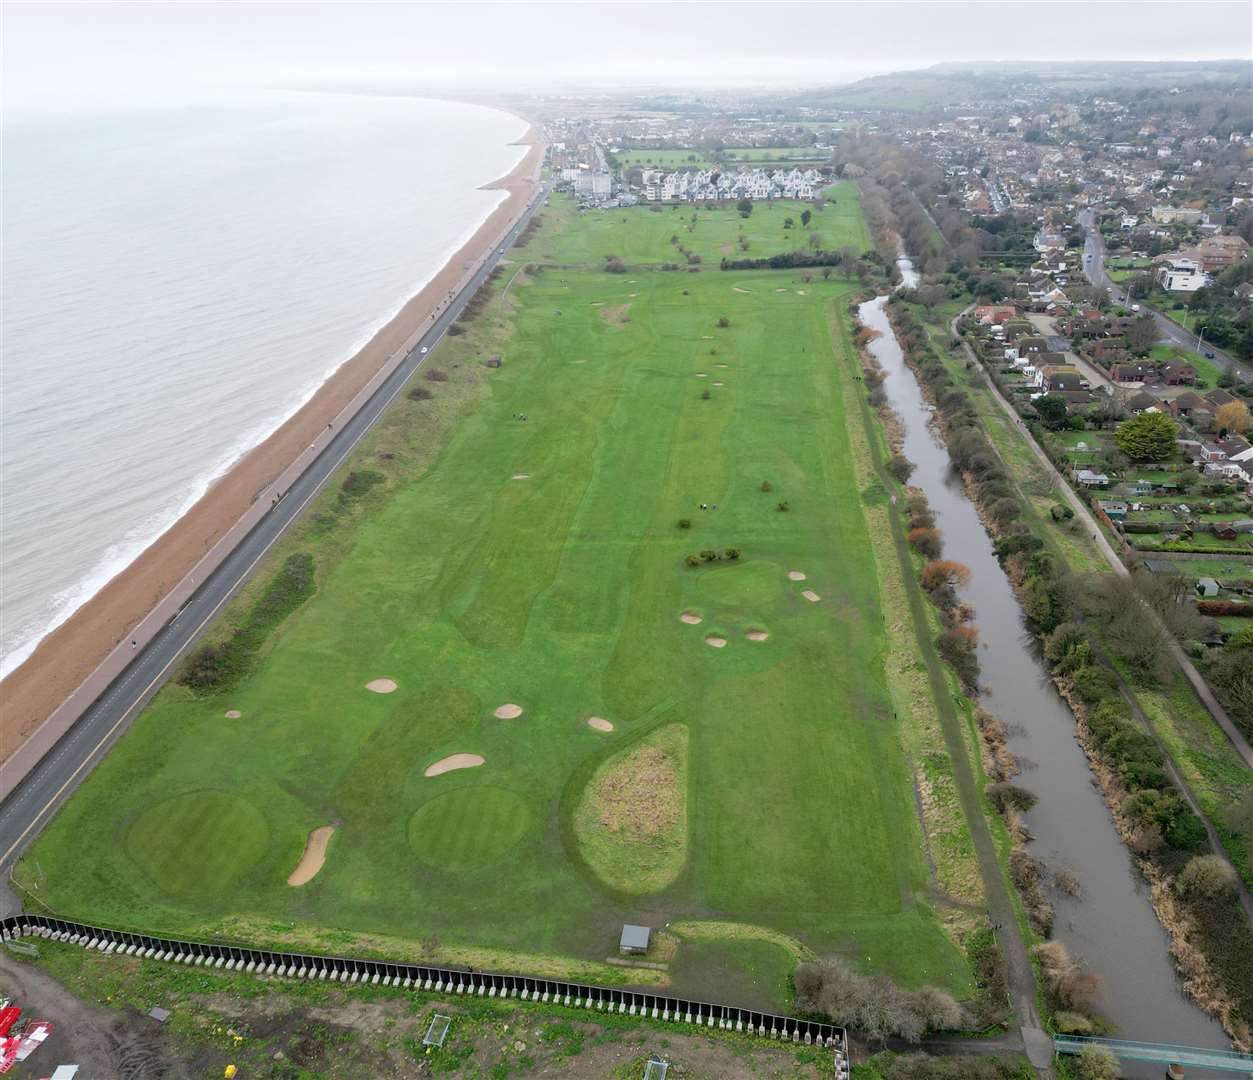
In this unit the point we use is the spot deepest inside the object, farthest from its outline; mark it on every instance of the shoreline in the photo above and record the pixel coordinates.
(69, 655)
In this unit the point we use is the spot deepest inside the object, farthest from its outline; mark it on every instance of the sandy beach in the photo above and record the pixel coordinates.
(72, 652)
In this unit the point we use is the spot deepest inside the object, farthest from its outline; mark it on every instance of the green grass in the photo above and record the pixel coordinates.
(640, 235)
(776, 155)
(561, 593)
(663, 159)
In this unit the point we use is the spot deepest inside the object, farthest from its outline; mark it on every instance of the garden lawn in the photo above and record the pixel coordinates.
(561, 593)
(641, 235)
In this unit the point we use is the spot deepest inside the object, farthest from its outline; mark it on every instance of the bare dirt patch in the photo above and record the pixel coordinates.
(617, 314)
(811, 596)
(690, 617)
(716, 642)
(508, 711)
(757, 635)
(381, 686)
(454, 762)
(314, 856)
(795, 575)
(599, 723)
(233, 714)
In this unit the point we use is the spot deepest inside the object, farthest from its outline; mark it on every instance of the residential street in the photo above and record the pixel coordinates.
(1094, 268)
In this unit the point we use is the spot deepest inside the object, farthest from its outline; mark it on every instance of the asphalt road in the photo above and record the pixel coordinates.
(31, 804)
(1094, 268)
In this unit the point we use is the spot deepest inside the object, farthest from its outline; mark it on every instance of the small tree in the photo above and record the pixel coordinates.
(766, 485)
(724, 322)
(1147, 437)
(805, 216)
(1096, 1063)
(1234, 416)
(745, 207)
(1205, 877)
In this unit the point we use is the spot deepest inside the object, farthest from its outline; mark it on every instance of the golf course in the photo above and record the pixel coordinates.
(600, 633)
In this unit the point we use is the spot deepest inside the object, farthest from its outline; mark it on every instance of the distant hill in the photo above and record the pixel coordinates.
(955, 83)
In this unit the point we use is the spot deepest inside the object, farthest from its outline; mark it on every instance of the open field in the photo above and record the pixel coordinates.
(513, 539)
(663, 159)
(640, 235)
(773, 155)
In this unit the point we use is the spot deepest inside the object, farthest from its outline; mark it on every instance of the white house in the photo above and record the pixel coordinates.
(1182, 275)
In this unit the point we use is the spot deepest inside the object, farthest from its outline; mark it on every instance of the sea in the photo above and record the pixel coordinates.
(177, 280)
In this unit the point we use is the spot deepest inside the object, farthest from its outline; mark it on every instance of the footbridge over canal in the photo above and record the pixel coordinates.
(1188, 1057)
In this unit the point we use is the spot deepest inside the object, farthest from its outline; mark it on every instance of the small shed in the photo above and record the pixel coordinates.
(1206, 587)
(634, 939)
(1088, 478)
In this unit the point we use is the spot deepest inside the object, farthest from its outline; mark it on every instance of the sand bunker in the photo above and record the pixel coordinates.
(795, 575)
(811, 596)
(381, 686)
(716, 641)
(701, 375)
(717, 383)
(508, 711)
(780, 290)
(801, 292)
(451, 764)
(689, 617)
(597, 303)
(313, 858)
(756, 635)
(233, 714)
(520, 476)
(599, 723)
(736, 288)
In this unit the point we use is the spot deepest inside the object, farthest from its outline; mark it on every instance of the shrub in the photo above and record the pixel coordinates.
(456, 330)
(709, 555)
(766, 485)
(1061, 512)
(900, 467)
(1005, 796)
(724, 322)
(926, 542)
(692, 560)
(685, 523)
(1096, 1063)
(436, 375)
(784, 507)
(420, 393)
(705, 395)
(1207, 877)
(941, 572)
(731, 553)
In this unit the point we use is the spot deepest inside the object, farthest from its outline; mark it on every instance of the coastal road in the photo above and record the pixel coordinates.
(30, 805)
(1094, 268)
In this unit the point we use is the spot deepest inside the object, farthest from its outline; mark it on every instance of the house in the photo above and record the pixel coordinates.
(1090, 479)
(1211, 452)
(1178, 373)
(1219, 398)
(1138, 487)
(1178, 274)
(1176, 215)
(1132, 373)
(1186, 404)
(1220, 252)
(1056, 380)
(1142, 401)
(1224, 530)
(1113, 509)
(634, 940)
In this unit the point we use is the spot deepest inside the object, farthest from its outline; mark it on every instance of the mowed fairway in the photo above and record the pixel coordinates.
(643, 236)
(561, 592)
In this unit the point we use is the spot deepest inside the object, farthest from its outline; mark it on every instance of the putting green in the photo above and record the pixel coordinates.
(198, 845)
(750, 584)
(468, 828)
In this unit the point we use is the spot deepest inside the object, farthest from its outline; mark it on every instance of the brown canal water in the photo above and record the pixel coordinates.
(1111, 926)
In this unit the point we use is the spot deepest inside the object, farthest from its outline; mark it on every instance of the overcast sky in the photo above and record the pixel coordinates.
(94, 52)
